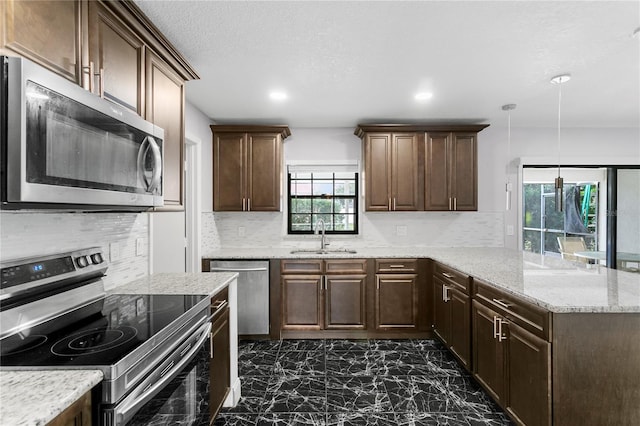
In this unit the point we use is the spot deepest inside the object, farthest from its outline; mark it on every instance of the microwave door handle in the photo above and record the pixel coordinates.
(142, 153)
(157, 164)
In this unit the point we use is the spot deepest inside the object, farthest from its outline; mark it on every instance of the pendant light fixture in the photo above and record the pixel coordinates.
(559, 183)
(508, 186)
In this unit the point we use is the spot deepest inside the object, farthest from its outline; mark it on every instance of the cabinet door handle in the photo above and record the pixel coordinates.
(455, 203)
(495, 326)
(211, 345)
(502, 303)
(389, 203)
(448, 275)
(248, 204)
(243, 203)
(449, 203)
(445, 293)
(100, 75)
(91, 76)
(394, 203)
(501, 335)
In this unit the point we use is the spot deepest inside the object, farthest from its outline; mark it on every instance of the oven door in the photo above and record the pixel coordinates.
(176, 392)
(66, 145)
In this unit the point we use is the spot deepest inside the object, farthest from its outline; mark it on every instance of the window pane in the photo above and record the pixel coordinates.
(345, 222)
(301, 222)
(532, 206)
(300, 187)
(328, 224)
(322, 187)
(551, 241)
(531, 241)
(552, 218)
(300, 205)
(321, 205)
(343, 206)
(345, 187)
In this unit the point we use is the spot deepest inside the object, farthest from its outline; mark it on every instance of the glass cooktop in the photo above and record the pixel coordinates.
(99, 334)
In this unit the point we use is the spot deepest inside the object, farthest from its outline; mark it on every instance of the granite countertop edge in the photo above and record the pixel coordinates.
(35, 397)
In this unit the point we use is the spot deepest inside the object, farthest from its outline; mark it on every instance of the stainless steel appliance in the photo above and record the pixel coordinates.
(152, 349)
(253, 293)
(63, 146)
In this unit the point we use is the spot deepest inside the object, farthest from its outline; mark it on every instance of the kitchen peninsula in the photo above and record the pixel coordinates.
(573, 328)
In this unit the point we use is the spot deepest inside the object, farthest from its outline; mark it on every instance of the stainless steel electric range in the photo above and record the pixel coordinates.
(55, 314)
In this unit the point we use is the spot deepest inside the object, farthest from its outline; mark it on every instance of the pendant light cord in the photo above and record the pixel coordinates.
(559, 106)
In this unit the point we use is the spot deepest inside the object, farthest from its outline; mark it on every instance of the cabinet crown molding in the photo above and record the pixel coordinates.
(283, 130)
(362, 129)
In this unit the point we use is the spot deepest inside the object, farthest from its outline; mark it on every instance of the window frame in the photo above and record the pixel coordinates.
(355, 197)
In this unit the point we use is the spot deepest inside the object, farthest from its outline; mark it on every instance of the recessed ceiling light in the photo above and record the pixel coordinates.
(423, 96)
(278, 96)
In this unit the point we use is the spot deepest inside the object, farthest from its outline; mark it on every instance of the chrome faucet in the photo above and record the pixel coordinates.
(323, 242)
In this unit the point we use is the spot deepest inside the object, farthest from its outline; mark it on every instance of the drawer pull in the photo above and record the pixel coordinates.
(218, 304)
(501, 303)
(448, 275)
(396, 266)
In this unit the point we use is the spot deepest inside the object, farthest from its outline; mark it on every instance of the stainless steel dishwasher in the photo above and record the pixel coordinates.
(253, 293)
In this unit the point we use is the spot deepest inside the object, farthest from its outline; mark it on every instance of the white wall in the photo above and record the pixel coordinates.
(628, 213)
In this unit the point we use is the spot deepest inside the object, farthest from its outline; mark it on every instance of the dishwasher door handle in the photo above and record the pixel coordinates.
(215, 269)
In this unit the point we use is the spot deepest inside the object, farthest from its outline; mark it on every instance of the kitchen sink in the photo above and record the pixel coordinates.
(322, 251)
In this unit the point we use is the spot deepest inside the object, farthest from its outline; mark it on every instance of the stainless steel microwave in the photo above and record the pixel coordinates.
(64, 147)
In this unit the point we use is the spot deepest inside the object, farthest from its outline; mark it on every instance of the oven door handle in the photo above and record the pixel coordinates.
(127, 409)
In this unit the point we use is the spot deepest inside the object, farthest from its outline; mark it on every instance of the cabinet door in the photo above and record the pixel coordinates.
(529, 377)
(345, 301)
(219, 365)
(464, 175)
(460, 334)
(165, 108)
(228, 171)
(377, 151)
(442, 312)
(302, 302)
(396, 301)
(405, 178)
(263, 174)
(488, 352)
(116, 50)
(436, 171)
(77, 414)
(46, 32)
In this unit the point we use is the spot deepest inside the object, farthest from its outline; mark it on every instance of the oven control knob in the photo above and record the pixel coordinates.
(82, 261)
(96, 258)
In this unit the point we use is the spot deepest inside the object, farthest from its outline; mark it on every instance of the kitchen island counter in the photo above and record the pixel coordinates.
(555, 284)
(37, 397)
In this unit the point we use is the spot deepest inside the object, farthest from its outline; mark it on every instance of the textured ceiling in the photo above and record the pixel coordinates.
(346, 62)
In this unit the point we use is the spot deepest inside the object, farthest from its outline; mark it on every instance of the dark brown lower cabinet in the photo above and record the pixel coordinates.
(77, 414)
(220, 362)
(345, 302)
(513, 365)
(396, 301)
(302, 307)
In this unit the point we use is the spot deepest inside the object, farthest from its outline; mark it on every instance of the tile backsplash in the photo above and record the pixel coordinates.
(397, 229)
(25, 234)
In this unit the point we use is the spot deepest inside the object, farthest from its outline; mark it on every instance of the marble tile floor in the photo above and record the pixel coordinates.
(356, 382)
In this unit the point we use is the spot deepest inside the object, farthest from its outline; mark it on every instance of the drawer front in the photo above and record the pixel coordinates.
(396, 265)
(345, 266)
(219, 303)
(453, 277)
(532, 318)
(309, 266)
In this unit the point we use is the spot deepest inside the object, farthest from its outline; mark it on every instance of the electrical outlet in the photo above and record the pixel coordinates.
(114, 252)
(139, 246)
(401, 230)
(509, 229)
(241, 231)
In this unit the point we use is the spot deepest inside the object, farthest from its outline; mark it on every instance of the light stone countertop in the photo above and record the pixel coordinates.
(552, 283)
(178, 283)
(37, 397)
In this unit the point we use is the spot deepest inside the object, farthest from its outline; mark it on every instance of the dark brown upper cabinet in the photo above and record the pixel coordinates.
(247, 167)
(420, 167)
(111, 49)
(392, 172)
(451, 171)
(165, 107)
(46, 32)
